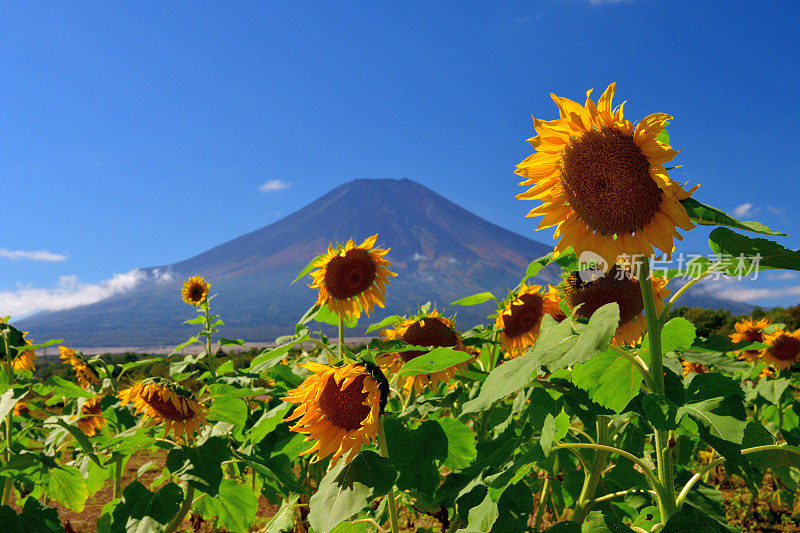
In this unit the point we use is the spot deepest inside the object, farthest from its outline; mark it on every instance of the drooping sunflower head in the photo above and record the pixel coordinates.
(423, 329)
(84, 372)
(689, 367)
(783, 350)
(195, 291)
(17, 359)
(161, 400)
(750, 331)
(339, 407)
(91, 419)
(520, 318)
(602, 181)
(620, 286)
(352, 278)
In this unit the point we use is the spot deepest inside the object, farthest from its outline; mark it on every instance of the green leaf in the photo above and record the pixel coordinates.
(677, 336)
(413, 452)
(564, 527)
(723, 417)
(230, 342)
(461, 448)
(475, 299)
(706, 215)
(502, 381)
(772, 389)
(34, 517)
(306, 269)
(648, 517)
(598, 522)
(326, 316)
(434, 361)
(228, 409)
(611, 379)
(65, 484)
(660, 412)
(200, 466)
(743, 251)
(482, 516)
(268, 422)
(553, 430)
(283, 520)
(690, 520)
(142, 511)
(9, 399)
(235, 506)
(538, 264)
(267, 360)
(386, 322)
(65, 388)
(347, 488)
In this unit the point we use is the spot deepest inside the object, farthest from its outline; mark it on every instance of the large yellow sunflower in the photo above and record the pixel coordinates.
(521, 317)
(749, 331)
(617, 285)
(83, 371)
(352, 278)
(91, 419)
(16, 359)
(339, 407)
(195, 290)
(161, 400)
(783, 350)
(425, 329)
(602, 181)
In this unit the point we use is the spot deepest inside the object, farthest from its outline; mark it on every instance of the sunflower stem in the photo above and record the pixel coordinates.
(8, 488)
(186, 506)
(341, 336)
(537, 522)
(666, 474)
(207, 335)
(391, 499)
(592, 477)
(117, 477)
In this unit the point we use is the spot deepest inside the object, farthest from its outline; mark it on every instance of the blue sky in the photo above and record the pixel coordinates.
(142, 133)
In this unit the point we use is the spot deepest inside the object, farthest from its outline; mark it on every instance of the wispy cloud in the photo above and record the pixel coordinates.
(72, 293)
(745, 210)
(732, 289)
(33, 255)
(274, 185)
(776, 210)
(782, 276)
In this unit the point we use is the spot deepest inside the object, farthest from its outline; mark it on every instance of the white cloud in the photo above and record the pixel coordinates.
(72, 293)
(274, 185)
(419, 257)
(782, 275)
(731, 289)
(744, 210)
(776, 210)
(33, 255)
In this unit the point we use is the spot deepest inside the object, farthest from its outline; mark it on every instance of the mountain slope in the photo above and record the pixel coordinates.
(440, 250)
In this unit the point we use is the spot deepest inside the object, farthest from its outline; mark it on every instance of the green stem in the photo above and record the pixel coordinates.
(537, 523)
(207, 334)
(780, 416)
(186, 506)
(117, 477)
(392, 502)
(685, 288)
(341, 335)
(592, 477)
(666, 474)
(8, 488)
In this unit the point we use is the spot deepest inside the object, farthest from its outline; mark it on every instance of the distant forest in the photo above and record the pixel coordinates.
(721, 321)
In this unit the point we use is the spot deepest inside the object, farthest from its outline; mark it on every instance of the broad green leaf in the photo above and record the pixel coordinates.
(772, 389)
(9, 399)
(385, 323)
(283, 520)
(610, 379)
(143, 511)
(65, 388)
(660, 412)
(706, 215)
(502, 381)
(724, 418)
(414, 452)
(228, 409)
(690, 520)
(326, 316)
(268, 422)
(235, 506)
(434, 361)
(718, 360)
(482, 516)
(648, 517)
(553, 430)
(231, 342)
(514, 507)
(65, 484)
(143, 362)
(564, 527)
(538, 264)
(475, 299)
(347, 488)
(34, 517)
(306, 269)
(200, 466)
(747, 253)
(267, 360)
(677, 335)
(461, 449)
(598, 522)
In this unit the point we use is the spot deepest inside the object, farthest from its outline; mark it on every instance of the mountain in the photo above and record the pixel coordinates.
(440, 251)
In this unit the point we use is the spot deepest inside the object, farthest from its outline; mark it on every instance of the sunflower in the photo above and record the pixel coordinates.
(425, 329)
(165, 401)
(521, 317)
(351, 278)
(689, 367)
(338, 406)
(83, 371)
(13, 338)
(91, 419)
(783, 350)
(749, 331)
(617, 285)
(603, 182)
(195, 291)
(21, 408)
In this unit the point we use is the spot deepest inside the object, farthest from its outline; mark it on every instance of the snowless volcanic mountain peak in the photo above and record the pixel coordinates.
(441, 251)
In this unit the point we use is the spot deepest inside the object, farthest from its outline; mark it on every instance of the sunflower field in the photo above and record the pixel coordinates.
(580, 407)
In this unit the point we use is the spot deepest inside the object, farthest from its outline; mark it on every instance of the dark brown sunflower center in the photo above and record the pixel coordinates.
(753, 335)
(196, 293)
(524, 316)
(351, 274)
(616, 286)
(607, 182)
(166, 409)
(91, 408)
(433, 333)
(344, 408)
(785, 348)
